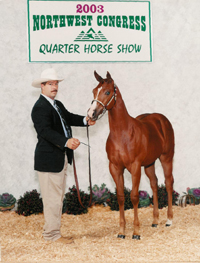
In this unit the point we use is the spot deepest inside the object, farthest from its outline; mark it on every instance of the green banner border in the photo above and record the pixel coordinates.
(29, 50)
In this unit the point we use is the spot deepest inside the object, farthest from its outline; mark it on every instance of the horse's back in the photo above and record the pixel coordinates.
(156, 119)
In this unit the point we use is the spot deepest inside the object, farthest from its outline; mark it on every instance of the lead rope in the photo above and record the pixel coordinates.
(89, 164)
(75, 174)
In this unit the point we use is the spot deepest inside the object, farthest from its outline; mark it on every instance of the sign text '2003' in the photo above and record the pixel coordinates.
(92, 8)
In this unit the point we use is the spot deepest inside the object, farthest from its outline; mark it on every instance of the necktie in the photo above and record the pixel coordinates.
(63, 120)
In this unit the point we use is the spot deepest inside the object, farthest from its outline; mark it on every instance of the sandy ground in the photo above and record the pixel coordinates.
(95, 239)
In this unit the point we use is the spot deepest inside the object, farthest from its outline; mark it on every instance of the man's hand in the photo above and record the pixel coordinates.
(90, 122)
(73, 143)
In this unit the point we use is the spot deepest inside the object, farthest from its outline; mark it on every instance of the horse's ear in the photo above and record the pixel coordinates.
(98, 78)
(108, 76)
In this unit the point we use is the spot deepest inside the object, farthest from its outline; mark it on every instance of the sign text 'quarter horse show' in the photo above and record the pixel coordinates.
(89, 31)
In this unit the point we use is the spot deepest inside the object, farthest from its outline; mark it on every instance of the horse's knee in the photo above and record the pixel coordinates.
(135, 199)
(120, 199)
(169, 181)
(154, 184)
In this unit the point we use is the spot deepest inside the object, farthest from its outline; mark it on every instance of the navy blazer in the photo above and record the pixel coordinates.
(50, 149)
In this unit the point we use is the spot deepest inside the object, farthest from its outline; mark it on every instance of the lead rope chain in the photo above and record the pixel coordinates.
(75, 174)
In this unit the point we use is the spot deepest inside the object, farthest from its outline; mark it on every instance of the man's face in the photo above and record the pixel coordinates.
(50, 89)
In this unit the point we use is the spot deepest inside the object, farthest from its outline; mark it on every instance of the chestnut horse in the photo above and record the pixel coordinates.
(132, 143)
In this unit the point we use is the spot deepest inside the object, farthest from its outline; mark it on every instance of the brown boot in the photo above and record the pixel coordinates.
(65, 240)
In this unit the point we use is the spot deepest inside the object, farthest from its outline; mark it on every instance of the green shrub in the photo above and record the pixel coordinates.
(144, 200)
(127, 202)
(71, 203)
(30, 203)
(196, 193)
(100, 195)
(112, 202)
(163, 197)
(7, 201)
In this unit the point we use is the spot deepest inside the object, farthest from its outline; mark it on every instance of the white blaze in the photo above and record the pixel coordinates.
(94, 104)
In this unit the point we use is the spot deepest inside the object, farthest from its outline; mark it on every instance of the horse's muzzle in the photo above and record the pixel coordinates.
(92, 114)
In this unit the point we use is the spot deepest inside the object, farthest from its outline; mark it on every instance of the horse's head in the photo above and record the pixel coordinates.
(104, 96)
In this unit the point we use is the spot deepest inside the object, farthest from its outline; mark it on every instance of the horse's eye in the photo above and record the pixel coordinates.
(107, 92)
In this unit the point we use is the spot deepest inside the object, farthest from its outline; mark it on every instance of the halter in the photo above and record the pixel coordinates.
(105, 106)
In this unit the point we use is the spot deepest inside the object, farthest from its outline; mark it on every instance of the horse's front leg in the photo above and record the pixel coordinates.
(136, 175)
(117, 174)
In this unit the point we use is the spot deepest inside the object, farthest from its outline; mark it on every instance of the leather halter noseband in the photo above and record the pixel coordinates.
(105, 106)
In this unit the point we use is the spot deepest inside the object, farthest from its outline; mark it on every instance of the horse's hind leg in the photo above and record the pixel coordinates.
(169, 180)
(150, 172)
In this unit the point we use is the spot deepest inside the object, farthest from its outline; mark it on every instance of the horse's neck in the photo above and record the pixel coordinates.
(118, 115)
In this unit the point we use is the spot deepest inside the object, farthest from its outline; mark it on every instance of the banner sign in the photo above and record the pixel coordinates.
(89, 31)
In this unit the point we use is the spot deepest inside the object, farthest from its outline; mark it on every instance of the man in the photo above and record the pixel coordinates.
(54, 150)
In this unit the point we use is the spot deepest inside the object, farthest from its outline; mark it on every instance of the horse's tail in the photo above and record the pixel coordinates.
(168, 133)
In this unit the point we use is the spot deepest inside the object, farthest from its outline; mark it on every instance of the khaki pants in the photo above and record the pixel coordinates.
(52, 187)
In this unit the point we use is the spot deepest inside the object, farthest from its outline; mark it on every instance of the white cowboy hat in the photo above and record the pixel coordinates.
(46, 75)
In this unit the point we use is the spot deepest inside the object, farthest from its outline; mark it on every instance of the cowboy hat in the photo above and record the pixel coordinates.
(46, 75)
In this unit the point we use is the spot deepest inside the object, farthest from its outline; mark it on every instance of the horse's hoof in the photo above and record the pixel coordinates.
(121, 236)
(168, 223)
(154, 225)
(136, 237)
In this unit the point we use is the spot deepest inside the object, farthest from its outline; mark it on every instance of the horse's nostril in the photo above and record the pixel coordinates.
(94, 113)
